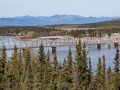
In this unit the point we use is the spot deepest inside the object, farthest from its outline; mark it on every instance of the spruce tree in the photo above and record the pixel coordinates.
(116, 84)
(117, 61)
(108, 72)
(15, 67)
(103, 82)
(96, 80)
(47, 72)
(98, 73)
(55, 65)
(14, 60)
(81, 67)
(41, 54)
(9, 77)
(2, 66)
(70, 61)
(90, 72)
(109, 78)
(19, 67)
(59, 81)
(39, 83)
(38, 78)
(64, 79)
(70, 69)
(29, 74)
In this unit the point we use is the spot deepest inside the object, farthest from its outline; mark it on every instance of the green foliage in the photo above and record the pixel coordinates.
(91, 30)
(103, 79)
(81, 67)
(2, 66)
(40, 73)
(41, 54)
(70, 61)
(9, 78)
(117, 61)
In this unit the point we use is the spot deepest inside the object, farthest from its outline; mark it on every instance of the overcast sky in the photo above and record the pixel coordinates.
(12, 8)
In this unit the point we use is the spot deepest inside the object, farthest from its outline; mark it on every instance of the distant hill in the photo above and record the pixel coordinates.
(50, 20)
(115, 23)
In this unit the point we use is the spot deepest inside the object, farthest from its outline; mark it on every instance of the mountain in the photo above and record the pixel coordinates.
(50, 20)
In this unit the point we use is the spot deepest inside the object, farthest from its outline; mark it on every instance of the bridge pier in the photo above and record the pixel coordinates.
(109, 46)
(98, 46)
(116, 45)
(53, 50)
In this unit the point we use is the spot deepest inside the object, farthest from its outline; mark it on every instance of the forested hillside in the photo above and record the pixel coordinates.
(43, 31)
(29, 71)
(112, 23)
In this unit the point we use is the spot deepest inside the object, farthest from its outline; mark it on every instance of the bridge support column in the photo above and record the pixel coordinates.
(109, 46)
(116, 45)
(53, 50)
(98, 46)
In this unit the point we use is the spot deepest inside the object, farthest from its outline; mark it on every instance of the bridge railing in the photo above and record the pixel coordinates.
(58, 42)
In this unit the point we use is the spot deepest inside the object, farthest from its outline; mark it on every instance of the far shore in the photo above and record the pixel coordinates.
(69, 29)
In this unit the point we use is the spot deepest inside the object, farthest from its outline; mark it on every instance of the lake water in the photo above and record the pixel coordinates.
(94, 53)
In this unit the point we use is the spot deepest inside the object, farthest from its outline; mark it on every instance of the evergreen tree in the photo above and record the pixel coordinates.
(90, 72)
(109, 78)
(40, 68)
(38, 78)
(55, 65)
(116, 80)
(70, 61)
(98, 73)
(103, 82)
(2, 66)
(27, 76)
(59, 84)
(19, 70)
(39, 83)
(109, 72)
(117, 62)
(16, 67)
(41, 54)
(9, 77)
(65, 78)
(14, 60)
(96, 80)
(47, 72)
(81, 67)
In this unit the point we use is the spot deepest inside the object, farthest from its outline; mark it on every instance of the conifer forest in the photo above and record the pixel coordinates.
(25, 71)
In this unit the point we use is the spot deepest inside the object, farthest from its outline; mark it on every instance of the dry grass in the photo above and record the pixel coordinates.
(69, 29)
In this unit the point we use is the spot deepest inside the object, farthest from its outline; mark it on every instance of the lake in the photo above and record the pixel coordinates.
(93, 53)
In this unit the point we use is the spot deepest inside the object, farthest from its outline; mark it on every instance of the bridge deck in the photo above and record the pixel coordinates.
(55, 41)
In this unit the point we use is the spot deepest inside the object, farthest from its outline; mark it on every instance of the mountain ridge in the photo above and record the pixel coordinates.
(50, 20)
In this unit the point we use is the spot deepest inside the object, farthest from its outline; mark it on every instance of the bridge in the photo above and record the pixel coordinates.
(56, 41)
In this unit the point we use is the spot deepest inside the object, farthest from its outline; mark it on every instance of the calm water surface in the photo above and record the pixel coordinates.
(93, 53)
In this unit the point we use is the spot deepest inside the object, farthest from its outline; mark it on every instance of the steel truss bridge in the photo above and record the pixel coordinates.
(47, 42)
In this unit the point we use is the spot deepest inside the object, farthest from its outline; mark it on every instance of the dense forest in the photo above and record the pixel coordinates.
(29, 71)
(113, 23)
(43, 31)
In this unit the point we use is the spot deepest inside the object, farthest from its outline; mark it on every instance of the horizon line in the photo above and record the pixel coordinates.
(56, 15)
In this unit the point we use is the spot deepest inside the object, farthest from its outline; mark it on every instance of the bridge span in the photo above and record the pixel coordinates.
(56, 41)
